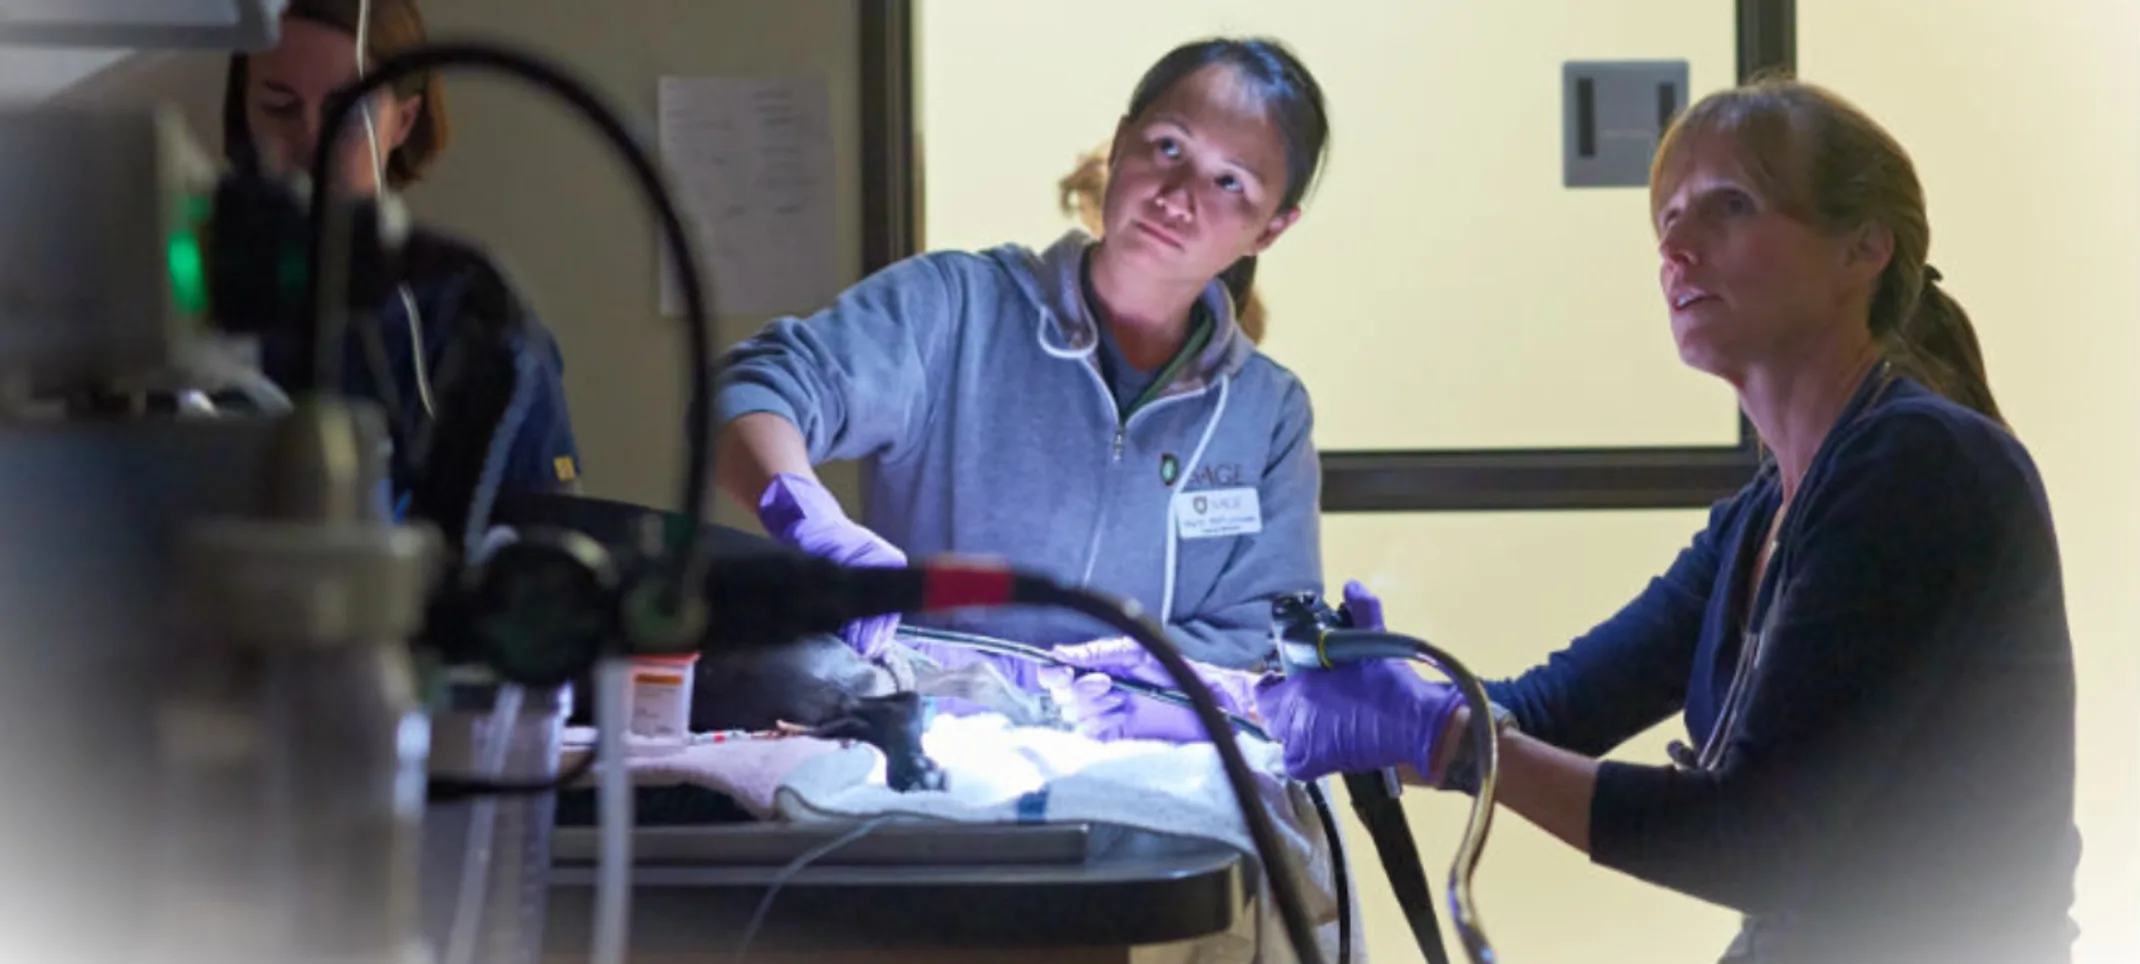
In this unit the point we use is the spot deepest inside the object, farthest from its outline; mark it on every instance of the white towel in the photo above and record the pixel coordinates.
(1001, 773)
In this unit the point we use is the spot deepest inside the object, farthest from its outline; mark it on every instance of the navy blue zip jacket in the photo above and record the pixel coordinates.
(468, 330)
(1894, 781)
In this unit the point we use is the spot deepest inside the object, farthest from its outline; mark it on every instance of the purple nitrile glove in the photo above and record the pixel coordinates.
(1018, 672)
(1104, 712)
(800, 513)
(974, 668)
(1359, 717)
(1365, 607)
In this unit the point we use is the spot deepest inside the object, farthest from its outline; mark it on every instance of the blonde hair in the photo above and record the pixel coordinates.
(1822, 161)
(1081, 194)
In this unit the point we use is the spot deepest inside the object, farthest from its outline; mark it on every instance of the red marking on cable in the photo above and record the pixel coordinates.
(955, 585)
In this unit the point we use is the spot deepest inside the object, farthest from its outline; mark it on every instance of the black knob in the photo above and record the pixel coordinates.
(542, 609)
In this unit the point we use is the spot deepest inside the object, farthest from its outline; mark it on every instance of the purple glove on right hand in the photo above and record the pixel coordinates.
(1104, 712)
(1359, 717)
(799, 512)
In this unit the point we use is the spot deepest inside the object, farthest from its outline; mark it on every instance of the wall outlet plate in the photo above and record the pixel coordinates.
(1613, 113)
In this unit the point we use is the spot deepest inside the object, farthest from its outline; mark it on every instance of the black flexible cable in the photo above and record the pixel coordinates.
(1130, 620)
(1382, 814)
(1351, 645)
(1486, 749)
(1340, 872)
(328, 275)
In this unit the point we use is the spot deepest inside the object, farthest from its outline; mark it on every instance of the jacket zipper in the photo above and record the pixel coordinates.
(1099, 525)
(1122, 424)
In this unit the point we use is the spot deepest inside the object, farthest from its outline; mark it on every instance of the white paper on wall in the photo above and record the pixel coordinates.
(751, 160)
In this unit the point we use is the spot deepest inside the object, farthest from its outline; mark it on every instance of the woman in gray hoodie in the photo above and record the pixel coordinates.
(1091, 411)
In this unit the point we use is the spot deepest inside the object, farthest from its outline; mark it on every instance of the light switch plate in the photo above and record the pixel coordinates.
(1613, 113)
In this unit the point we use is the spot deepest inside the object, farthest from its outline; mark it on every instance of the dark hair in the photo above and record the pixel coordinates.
(396, 26)
(1820, 159)
(1289, 93)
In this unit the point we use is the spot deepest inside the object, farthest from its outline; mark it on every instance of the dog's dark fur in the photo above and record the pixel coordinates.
(810, 682)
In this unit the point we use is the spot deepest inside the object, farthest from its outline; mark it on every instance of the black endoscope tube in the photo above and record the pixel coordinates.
(1340, 646)
(1486, 748)
(1340, 868)
(1381, 813)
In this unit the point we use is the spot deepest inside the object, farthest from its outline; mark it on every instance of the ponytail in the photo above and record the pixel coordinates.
(1240, 282)
(1936, 345)
(1082, 192)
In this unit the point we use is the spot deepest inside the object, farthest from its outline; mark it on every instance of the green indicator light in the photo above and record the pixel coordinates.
(189, 273)
(184, 258)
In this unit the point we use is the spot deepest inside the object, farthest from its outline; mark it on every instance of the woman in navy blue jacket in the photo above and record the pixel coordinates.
(442, 357)
(1868, 643)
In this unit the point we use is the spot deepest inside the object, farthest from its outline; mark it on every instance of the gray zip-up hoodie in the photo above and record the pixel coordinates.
(967, 385)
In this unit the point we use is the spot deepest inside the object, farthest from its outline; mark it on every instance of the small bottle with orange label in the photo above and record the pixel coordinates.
(661, 698)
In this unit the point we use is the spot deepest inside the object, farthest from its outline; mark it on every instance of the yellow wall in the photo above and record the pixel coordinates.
(1441, 236)
(2025, 122)
(1445, 152)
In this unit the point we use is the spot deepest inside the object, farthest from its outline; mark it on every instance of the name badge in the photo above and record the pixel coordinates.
(1218, 512)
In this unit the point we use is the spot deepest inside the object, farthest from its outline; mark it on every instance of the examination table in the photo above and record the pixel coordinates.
(908, 892)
